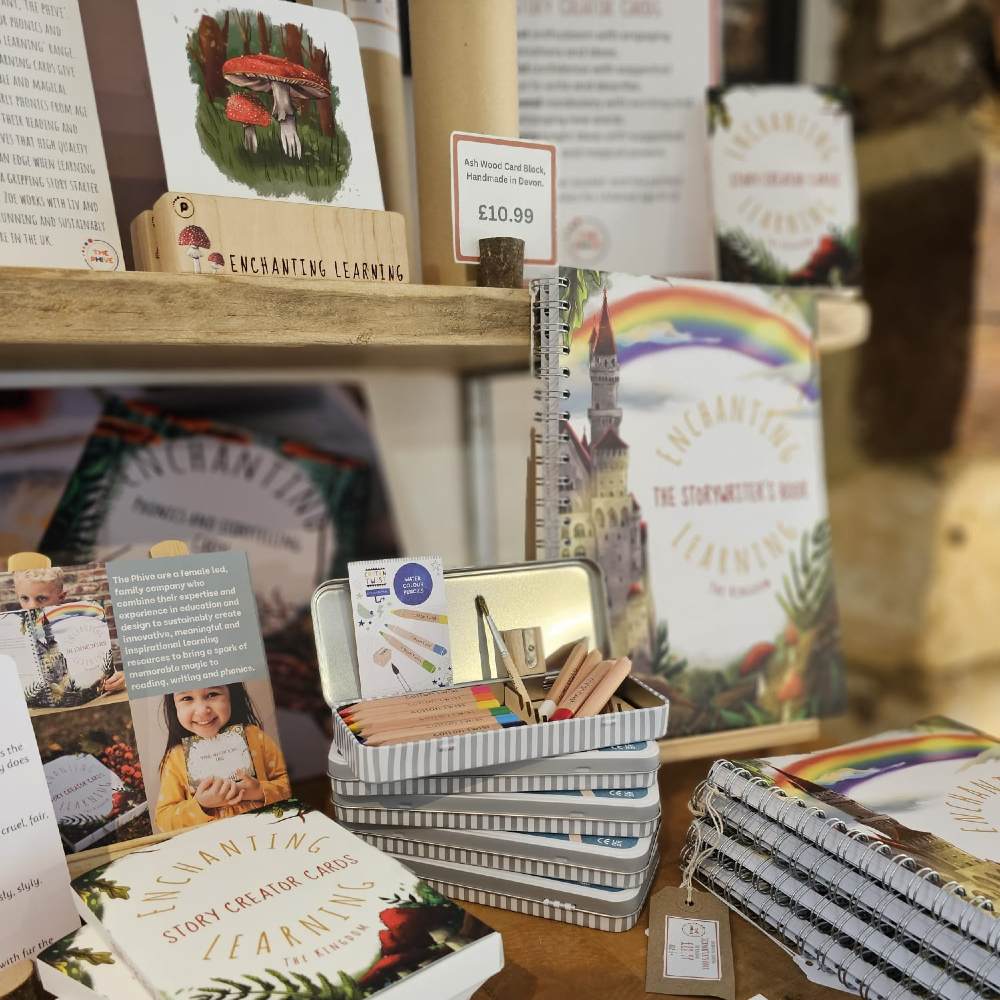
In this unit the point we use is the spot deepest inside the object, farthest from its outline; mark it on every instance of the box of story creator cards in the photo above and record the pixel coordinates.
(564, 601)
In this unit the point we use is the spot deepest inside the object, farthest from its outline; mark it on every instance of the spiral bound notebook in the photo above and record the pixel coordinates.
(678, 444)
(888, 845)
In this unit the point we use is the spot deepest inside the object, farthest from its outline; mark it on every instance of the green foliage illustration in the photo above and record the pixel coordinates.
(93, 888)
(581, 284)
(73, 961)
(795, 674)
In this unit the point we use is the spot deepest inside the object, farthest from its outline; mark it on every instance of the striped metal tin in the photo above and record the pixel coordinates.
(406, 848)
(629, 805)
(566, 599)
(629, 765)
(552, 906)
(485, 821)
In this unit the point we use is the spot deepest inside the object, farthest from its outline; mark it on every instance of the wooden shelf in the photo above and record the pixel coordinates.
(87, 321)
(739, 742)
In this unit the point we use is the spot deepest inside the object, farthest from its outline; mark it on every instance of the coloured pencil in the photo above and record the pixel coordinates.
(421, 616)
(590, 697)
(366, 729)
(580, 691)
(429, 712)
(406, 651)
(493, 724)
(575, 662)
(374, 706)
(434, 647)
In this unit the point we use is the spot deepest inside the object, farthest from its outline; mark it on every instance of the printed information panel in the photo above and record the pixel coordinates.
(503, 187)
(186, 622)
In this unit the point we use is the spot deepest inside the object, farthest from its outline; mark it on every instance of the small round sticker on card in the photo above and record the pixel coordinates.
(412, 583)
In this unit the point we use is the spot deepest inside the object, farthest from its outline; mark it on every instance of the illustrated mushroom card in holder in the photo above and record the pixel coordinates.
(261, 102)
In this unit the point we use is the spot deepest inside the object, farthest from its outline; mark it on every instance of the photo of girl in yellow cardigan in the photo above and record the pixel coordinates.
(205, 712)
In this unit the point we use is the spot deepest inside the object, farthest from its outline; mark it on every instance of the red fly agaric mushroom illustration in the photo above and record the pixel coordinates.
(285, 80)
(217, 261)
(246, 110)
(195, 239)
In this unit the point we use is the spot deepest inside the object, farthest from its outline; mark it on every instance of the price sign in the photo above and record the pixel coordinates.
(503, 187)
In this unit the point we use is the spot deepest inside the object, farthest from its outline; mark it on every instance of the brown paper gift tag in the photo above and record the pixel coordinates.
(690, 950)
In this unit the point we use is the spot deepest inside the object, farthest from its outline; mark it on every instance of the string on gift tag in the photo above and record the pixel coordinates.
(701, 808)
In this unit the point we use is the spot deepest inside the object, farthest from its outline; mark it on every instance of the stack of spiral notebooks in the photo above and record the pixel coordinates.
(875, 862)
(572, 837)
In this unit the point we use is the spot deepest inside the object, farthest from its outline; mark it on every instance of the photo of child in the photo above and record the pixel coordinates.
(206, 713)
(44, 596)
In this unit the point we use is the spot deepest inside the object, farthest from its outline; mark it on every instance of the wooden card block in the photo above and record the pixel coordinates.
(145, 256)
(205, 234)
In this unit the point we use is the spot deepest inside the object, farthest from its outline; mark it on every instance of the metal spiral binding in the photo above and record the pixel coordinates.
(795, 815)
(956, 964)
(548, 335)
(875, 846)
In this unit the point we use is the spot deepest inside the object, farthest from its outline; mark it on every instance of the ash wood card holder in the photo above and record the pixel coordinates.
(206, 234)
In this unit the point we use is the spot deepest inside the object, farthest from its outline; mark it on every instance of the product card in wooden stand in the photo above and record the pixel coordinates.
(565, 599)
(205, 234)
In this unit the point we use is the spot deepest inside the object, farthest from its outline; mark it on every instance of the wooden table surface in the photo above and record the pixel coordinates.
(549, 960)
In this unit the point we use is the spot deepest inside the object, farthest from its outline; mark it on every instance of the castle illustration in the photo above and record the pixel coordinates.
(604, 521)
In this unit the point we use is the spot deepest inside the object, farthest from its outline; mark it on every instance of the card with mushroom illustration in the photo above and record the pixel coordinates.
(260, 102)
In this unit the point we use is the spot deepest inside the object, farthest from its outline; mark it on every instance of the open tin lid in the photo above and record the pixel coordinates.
(565, 598)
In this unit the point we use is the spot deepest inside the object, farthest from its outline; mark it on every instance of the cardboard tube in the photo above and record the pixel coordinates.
(384, 84)
(464, 58)
(383, 72)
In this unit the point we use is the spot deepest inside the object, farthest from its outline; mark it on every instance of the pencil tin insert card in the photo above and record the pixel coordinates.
(400, 625)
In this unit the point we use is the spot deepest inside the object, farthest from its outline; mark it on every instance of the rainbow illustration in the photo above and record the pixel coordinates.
(674, 317)
(76, 609)
(844, 767)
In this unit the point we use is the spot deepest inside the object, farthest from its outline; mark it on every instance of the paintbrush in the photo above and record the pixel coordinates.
(505, 657)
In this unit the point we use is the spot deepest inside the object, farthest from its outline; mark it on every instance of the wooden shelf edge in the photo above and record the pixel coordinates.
(88, 321)
(738, 742)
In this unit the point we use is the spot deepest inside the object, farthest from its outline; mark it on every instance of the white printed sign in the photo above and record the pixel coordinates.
(85, 643)
(691, 949)
(503, 187)
(81, 786)
(621, 88)
(56, 206)
(219, 757)
(36, 903)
